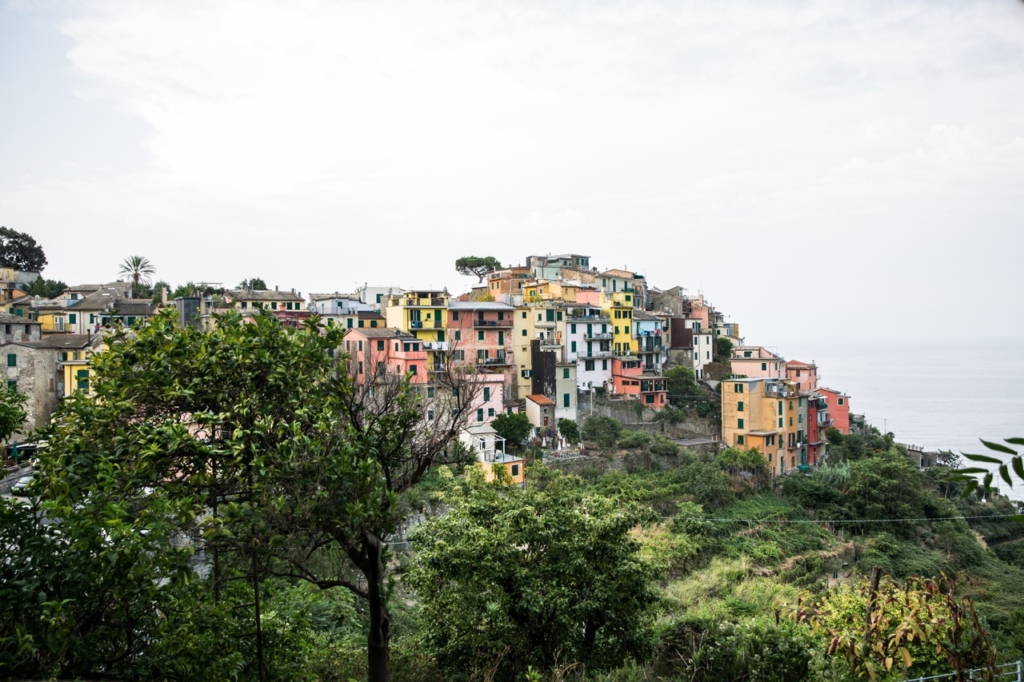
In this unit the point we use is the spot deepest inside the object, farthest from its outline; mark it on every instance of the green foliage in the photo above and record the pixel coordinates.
(138, 269)
(744, 460)
(681, 384)
(20, 251)
(604, 431)
(835, 436)
(511, 578)
(12, 413)
(46, 288)
(514, 428)
(254, 283)
(631, 440)
(569, 430)
(477, 265)
(723, 349)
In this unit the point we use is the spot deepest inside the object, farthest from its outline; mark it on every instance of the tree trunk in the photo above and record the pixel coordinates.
(378, 640)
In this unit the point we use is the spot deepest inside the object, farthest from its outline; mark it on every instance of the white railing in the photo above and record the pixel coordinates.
(1003, 673)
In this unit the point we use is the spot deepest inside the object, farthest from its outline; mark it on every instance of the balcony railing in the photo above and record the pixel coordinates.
(494, 362)
(651, 349)
(425, 324)
(547, 324)
(594, 354)
(501, 324)
(598, 337)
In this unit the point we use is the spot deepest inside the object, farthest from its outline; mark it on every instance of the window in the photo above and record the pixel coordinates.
(360, 345)
(565, 400)
(501, 338)
(565, 372)
(12, 386)
(362, 323)
(524, 332)
(780, 422)
(650, 398)
(19, 312)
(440, 336)
(764, 366)
(515, 470)
(455, 315)
(739, 440)
(480, 414)
(412, 369)
(273, 305)
(379, 297)
(573, 346)
(490, 411)
(430, 391)
(746, 353)
(524, 314)
(739, 406)
(588, 365)
(72, 318)
(350, 321)
(380, 344)
(739, 423)
(572, 328)
(480, 336)
(840, 401)
(780, 407)
(82, 378)
(12, 360)
(604, 364)
(487, 393)
(738, 388)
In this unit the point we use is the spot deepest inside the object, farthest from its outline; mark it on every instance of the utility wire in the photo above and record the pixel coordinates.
(816, 521)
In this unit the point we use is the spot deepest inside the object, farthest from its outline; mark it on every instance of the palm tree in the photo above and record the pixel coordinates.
(138, 269)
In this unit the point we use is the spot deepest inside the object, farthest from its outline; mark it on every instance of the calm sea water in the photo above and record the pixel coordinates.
(937, 395)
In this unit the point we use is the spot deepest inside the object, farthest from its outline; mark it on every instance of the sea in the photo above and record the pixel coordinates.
(937, 394)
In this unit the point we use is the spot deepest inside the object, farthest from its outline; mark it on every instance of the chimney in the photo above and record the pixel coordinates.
(163, 295)
(275, 288)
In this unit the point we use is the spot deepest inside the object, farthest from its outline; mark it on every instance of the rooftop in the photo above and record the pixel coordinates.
(540, 399)
(62, 341)
(479, 305)
(7, 318)
(383, 333)
(263, 295)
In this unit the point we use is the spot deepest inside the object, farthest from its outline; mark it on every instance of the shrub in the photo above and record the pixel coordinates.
(602, 430)
(635, 439)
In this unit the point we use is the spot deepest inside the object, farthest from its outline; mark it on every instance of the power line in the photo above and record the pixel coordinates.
(821, 521)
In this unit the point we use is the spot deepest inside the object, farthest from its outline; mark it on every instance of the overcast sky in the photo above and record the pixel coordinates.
(821, 169)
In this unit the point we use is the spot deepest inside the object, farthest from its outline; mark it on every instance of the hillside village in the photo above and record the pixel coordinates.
(541, 338)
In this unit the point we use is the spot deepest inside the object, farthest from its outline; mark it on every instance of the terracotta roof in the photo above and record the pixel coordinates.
(797, 363)
(135, 306)
(540, 399)
(368, 315)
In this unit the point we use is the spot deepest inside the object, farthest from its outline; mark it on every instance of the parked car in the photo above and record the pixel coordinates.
(21, 487)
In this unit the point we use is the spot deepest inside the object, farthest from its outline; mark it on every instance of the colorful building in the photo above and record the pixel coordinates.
(650, 332)
(838, 411)
(763, 414)
(630, 380)
(757, 362)
(480, 334)
(489, 448)
(424, 314)
(588, 343)
(375, 354)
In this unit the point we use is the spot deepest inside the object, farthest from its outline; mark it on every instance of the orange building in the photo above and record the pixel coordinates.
(630, 379)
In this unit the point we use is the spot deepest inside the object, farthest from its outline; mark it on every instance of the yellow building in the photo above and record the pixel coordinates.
(619, 306)
(763, 414)
(424, 314)
(74, 361)
(543, 321)
(551, 290)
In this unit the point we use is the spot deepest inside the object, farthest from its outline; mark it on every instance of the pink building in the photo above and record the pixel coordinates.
(480, 333)
(757, 362)
(805, 375)
(378, 353)
(489, 400)
(629, 379)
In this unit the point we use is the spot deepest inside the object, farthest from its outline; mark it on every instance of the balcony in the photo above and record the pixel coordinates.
(499, 324)
(425, 324)
(435, 345)
(825, 423)
(651, 349)
(494, 362)
(550, 344)
(411, 302)
(598, 337)
(545, 324)
(594, 355)
(600, 319)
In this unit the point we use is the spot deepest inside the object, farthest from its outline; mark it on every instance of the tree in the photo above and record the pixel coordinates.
(550, 578)
(20, 251)
(12, 413)
(253, 283)
(569, 430)
(46, 288)
(477, 265)
(158, 290)
(138, 269)
(514, 428)
(723, 349)
(604, 431)
(681, 384)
